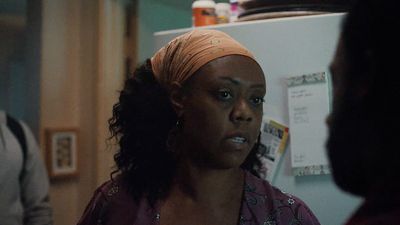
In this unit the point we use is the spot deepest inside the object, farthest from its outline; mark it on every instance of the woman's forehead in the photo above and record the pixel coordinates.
(233, 69)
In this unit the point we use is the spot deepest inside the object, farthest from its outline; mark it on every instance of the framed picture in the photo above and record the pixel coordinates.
(62, 155)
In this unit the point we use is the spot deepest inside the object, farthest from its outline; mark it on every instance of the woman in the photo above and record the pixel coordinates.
(188, 124)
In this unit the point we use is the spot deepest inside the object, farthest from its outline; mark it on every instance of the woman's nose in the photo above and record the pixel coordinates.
(241, 112)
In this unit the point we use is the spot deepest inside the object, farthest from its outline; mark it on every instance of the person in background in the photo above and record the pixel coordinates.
(24, 185)
(364, 125)
(188, 124)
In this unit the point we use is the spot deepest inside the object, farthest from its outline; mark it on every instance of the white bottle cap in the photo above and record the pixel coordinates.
(203, 4)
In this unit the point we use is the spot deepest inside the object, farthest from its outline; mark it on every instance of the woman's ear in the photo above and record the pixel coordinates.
(177, 98)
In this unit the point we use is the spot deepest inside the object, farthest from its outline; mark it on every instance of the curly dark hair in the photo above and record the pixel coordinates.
(141, 121)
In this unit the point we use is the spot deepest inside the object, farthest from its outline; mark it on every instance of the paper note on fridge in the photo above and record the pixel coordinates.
(308, 99)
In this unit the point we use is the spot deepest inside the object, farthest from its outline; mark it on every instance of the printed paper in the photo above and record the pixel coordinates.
(273, 143)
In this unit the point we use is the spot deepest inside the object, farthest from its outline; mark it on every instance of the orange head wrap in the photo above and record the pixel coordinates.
(184, 55)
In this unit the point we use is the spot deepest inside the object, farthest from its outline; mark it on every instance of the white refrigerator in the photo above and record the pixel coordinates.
(287, 47)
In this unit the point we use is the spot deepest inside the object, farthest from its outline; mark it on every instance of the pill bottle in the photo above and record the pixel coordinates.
(234, 10)
(203, 13)
(223, 11)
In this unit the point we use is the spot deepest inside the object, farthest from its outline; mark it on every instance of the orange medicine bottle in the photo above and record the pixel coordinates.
(203, 13)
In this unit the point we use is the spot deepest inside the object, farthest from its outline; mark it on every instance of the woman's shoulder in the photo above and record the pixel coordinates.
(111, 191)
(110, 201)
(275, 205)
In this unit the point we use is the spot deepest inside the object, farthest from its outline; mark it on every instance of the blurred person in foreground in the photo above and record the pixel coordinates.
(188, 124)
(364, 125)
(24, 184)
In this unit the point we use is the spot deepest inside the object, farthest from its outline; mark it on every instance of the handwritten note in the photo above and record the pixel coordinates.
(308, 98)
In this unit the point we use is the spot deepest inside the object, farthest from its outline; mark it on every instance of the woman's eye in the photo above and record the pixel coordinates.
(257, 100)
(224, 95)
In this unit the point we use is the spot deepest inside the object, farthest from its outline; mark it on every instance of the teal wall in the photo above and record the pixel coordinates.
(20, 61)
(160, 15)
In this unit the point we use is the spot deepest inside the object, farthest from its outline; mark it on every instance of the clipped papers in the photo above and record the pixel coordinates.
(273, 144)
(308, 99)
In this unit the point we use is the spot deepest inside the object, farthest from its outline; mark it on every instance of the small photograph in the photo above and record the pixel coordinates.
(61, 149)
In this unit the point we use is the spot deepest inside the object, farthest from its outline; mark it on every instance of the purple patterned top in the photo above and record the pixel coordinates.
(262, 204)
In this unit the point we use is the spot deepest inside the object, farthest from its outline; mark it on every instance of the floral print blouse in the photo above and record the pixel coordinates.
(262, 204)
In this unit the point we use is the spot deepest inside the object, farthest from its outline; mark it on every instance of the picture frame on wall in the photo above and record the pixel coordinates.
(62, 152)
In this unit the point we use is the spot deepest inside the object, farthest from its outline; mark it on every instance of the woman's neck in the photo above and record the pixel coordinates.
(208, 186)
(203, 196)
